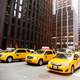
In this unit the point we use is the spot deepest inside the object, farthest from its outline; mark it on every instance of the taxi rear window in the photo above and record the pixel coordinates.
(21, 51)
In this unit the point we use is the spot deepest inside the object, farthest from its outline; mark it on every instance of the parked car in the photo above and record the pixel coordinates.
(18, 54)
(1, 50)
(64, 50)
(40, 56)
(64, 63)
(30, 50)
(10, 49)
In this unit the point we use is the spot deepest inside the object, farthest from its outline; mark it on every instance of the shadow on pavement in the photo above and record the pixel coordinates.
(63, 74)
(35, 65)
(15, 61)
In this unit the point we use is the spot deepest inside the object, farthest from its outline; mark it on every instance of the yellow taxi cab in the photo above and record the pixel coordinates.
(30, 50)
(18, 54)
(64, 63)
(40, 56)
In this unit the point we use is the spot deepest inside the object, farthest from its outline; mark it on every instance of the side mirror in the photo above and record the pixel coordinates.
(45, 54)
(75, 58)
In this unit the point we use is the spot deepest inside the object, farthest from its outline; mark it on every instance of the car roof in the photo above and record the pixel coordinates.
(21, 49)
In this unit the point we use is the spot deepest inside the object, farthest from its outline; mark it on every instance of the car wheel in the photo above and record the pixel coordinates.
(28, 63)
(40, 62)
(20, 60)
(9, 59)
(72, 69)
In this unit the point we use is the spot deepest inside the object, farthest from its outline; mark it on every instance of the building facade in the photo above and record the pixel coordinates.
(67, 23)
(25, 23)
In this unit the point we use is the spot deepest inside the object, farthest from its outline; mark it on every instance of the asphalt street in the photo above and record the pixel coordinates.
(22, 71)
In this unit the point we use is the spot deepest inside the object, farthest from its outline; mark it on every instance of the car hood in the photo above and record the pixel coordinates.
(60, 60)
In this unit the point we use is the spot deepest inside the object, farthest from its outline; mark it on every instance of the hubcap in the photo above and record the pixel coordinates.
(40, 63)
(10, 59)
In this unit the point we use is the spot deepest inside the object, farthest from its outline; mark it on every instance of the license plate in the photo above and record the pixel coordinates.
(54, 67)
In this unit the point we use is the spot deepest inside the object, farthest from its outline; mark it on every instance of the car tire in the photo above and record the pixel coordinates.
(20, 60)
(9, 59)
(28, 63)
(40, 63)
(72, 69)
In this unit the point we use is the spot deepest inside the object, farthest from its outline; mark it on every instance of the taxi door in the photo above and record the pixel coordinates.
(48, 55)
(20, 54)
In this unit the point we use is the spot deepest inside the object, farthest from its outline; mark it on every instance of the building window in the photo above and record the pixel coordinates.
(24, 23)
(19, 15)
(28, 35)
(30, 1)
(18, 33)
(13, 20)
(29, 13)
(23, 34)
(21, 1)
(12, 31)
(19, 21)
(5, 30)
(15, 6)
(14, 12)
(9, 2)
(33, 14)
(16, 0)
(29, 6)
(20, 8)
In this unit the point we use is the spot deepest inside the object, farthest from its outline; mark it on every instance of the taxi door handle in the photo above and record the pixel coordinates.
(17, 54)
(45, 56)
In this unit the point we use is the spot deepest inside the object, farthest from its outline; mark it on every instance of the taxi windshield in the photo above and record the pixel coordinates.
(65, 56)
(39, 51)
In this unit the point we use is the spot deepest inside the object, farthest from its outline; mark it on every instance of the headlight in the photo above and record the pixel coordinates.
(66, 64)
(35, 57)
(49, 62)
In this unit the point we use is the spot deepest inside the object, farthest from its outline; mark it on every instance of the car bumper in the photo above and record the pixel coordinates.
(2, 59)
(33, 61)
(59, 69)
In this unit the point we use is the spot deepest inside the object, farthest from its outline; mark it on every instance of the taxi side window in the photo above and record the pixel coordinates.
(48, 52)
(20, 51)
(28, 50)
(76, 56)
(32, 51)
(53, 52)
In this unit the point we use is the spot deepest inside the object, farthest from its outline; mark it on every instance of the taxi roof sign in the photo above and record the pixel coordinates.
(45, 48)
